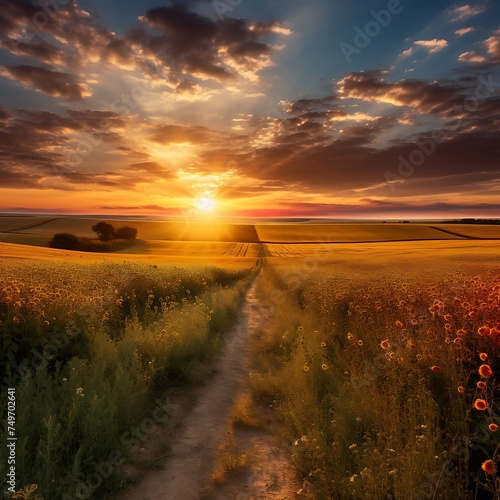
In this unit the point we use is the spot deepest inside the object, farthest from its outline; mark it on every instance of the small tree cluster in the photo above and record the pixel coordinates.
(106, 232)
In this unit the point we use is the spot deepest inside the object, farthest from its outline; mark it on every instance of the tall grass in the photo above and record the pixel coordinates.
(376, 379)
(92, 351)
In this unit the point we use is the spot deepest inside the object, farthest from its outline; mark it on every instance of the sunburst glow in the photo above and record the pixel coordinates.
(205, 204)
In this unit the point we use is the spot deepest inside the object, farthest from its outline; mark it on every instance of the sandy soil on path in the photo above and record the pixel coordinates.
(193, 451)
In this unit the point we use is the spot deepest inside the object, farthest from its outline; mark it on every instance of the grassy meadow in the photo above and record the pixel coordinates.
(380, 361)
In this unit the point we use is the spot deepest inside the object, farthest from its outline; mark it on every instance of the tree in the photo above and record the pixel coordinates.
(66, 241)
(126, 233)
(105, 231)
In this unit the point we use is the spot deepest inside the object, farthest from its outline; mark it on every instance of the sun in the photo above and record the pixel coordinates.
(205, 204)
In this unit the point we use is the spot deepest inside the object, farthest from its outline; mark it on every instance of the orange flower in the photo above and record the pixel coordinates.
(485, 371)
(494, 331)
(480, 404)
(481, 385)
(483, 330)
(493, 427)
(489, 467)
(436, 369)
(461, 332)
(385, 344)
(399, 324)
(460, 389)
(483, 356)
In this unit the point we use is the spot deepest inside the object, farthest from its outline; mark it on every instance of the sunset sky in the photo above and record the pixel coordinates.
(274, 108)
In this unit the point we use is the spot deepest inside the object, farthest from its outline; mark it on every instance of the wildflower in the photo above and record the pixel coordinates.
(485, 371)
(79, 391)
(385, 344)
(460, 389)
(481, 385)
(489, 467)
(324, 366)
(393, 472)
(461, 332)
(399, 324)
(480, 404)
(483, 330)
(419, 357)
(353, 445)
(360, 342)
(323, 344)
(353, 478)
(436, 369)
(493, 427)
(306, 368)
(350, 336)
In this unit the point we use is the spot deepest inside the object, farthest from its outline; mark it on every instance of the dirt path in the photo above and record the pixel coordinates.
(194, 447)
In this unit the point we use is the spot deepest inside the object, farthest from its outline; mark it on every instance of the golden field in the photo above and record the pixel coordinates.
(389, 332)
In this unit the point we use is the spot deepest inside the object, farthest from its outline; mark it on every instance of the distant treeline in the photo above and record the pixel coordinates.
(108, 239)
(473, 221)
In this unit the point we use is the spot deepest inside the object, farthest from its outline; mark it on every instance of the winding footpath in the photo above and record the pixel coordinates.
(193, 448)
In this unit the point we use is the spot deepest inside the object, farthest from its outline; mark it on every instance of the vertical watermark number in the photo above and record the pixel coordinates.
(11, 439)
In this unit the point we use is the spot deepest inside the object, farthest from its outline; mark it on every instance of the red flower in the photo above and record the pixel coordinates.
(485, 371)
(489, 467)
(483, 330)
(436, 369)
(480, 404)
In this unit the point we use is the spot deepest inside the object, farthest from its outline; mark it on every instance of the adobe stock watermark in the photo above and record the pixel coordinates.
(222, 7)
(88, 141)
(426, 146)
(132, 437)
(38, 21)
(373, 28)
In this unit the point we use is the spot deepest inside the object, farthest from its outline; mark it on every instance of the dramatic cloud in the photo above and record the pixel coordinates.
(191, 44)
(54, 83)
(424, 97)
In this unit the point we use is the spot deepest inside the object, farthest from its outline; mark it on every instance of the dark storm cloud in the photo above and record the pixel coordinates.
(54, 83)
(194, 44)
(424, 97)
(33, 147)
(41, 50)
